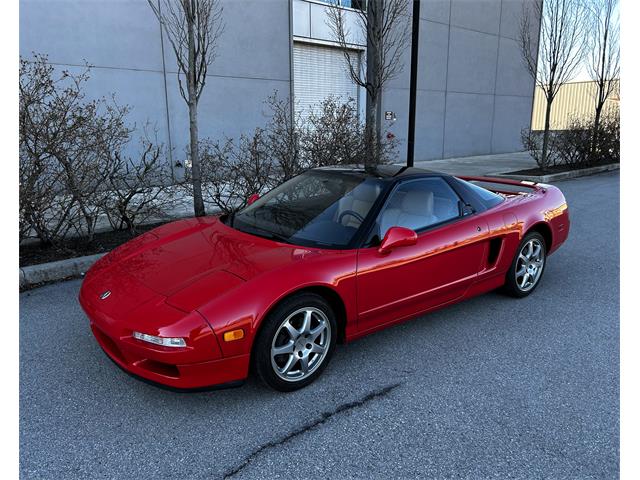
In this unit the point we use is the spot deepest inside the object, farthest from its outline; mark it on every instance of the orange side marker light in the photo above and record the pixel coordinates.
(233, 335)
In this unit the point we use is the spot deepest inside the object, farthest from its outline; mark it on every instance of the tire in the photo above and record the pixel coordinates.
(527, 266)
(295, 342)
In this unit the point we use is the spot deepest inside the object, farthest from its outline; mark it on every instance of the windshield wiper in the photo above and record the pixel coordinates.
(275, 236)
(261, 232)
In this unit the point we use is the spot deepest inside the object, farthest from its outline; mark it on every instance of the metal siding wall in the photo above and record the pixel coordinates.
(574, 100)
(121, 38)
(474, 91)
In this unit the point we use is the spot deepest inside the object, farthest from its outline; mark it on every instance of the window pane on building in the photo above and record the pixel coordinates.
(318, 72)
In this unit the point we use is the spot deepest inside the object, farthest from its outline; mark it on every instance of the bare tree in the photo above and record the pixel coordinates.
(66, 146)
(233, 171)
(139, 188)
(334, 135)
(385, 24)
(193, 28)
(43, 211)
(282, 137)
(553, 57)
(604, 59)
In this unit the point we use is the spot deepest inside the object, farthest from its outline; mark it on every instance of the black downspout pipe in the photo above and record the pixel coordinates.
(415, 32)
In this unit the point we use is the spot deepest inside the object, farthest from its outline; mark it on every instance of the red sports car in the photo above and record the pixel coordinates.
(328, 256)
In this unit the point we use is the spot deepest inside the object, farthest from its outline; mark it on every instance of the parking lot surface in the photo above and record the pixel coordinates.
(492, 387)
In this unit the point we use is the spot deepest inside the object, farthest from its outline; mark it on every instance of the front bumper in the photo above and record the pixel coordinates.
(198, 366)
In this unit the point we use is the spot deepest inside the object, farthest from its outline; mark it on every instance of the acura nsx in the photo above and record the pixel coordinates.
(328, 256)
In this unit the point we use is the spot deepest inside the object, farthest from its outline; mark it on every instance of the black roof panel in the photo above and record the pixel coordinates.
(380, 171)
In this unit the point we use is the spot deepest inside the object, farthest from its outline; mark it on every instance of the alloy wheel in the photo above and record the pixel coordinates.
(300, 344)
(529, 264)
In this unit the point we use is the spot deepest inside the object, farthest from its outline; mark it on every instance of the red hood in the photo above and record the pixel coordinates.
(201, 253)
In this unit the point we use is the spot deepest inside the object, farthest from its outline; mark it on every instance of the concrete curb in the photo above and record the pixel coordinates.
(554, 177)
(52, 271)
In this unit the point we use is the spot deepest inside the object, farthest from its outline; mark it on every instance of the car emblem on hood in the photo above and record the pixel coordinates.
(105, 294)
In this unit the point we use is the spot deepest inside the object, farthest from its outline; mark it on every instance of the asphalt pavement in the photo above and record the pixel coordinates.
(491, 387)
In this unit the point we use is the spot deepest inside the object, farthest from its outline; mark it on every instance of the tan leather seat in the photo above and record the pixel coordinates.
(416, 211)
(360, 200)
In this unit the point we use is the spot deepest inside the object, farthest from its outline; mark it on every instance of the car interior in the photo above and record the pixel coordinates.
(312, 217)
(340, 221)
(417, 205)
(354, 207)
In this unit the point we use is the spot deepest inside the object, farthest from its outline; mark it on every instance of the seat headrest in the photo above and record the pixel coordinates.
(366, 193)
(418, 202)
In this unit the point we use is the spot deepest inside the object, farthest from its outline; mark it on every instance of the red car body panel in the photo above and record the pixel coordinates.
(199, 278)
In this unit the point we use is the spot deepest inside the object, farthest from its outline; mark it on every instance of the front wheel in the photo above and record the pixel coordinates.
(527, 266)
(296, 342)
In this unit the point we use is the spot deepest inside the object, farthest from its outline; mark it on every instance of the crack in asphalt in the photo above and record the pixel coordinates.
(324, 417)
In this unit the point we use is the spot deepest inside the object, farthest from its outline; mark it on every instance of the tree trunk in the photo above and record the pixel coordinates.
(196, 177)
(370, 130)
(378, 143)
(596, 132)
(374, 11)
(545, 137)
(601, 98)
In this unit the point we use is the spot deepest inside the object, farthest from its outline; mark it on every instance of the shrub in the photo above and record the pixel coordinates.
(66, 142)
(578, 146)
(571, 147)
(532, 142)
(43, 208)
(608, 144)
(72, 169)
(138, 189)
(281, 138)
(333, 135)
(232, 172)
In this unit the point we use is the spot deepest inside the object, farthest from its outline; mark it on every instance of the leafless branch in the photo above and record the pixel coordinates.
(604, 46)
(334, 135)
(554, 55)
(282, 136)
(553, 52)
(139, 188)
(193, 28)
(66, 142)
(385, 27)
(205, 18)
(232, 172)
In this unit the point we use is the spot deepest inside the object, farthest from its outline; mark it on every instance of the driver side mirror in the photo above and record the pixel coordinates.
(397, 237)
(252, 198)
(465, 209)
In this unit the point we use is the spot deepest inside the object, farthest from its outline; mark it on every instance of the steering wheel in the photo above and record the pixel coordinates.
(352, 213)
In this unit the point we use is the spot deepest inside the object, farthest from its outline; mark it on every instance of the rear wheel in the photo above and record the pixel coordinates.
(296, 342)
(527, 267)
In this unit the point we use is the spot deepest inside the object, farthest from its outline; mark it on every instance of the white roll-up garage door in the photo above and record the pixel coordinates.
(318, 72)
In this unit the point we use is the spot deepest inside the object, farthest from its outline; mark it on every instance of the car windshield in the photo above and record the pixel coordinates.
(317, 208)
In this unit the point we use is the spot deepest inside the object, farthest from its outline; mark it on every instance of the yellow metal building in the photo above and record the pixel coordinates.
(574, 100)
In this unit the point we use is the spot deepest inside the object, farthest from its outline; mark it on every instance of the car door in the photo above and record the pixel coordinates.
(438, 269)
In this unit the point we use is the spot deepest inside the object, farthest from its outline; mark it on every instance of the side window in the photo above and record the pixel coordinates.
(419, 204)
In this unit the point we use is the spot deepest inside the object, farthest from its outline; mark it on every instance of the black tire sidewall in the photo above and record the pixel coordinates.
(511, 285)
(262, 347)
